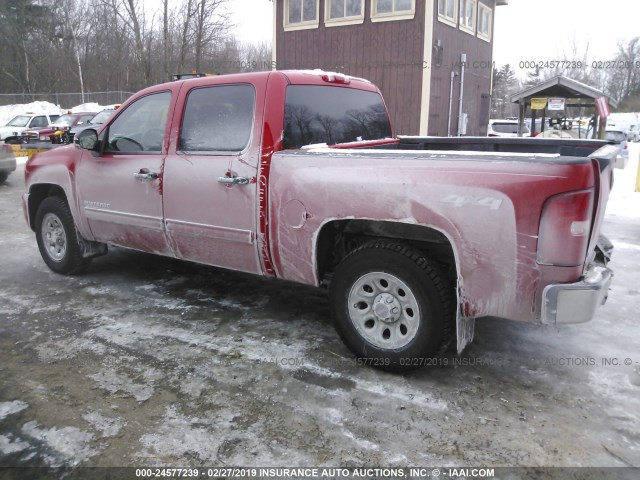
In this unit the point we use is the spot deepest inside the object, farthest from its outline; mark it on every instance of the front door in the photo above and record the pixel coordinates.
(121, 190)
(210, 180)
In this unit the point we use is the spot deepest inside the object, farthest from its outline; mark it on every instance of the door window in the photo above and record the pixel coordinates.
(140, 128)
(218, 119)
(39, 122)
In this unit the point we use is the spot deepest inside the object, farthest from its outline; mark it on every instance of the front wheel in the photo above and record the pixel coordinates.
(3, 177)
(57, 237)
(391, 306)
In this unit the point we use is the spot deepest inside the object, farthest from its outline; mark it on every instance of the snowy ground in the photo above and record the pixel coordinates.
(149, 361)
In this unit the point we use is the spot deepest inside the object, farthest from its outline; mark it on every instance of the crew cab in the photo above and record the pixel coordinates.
(296, 175)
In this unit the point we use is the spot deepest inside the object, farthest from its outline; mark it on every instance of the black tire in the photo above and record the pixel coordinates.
(58, 239)
(3, 177)
(14, 141)
(415, 322)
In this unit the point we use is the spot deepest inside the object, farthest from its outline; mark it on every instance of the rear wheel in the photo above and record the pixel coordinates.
(57, 237)
(3, 177)
(392, 307)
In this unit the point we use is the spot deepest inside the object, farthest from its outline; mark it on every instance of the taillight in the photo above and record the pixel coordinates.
(564, 229)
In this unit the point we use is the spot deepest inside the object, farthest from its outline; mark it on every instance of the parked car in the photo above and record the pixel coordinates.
(620, 139)
(12, 131)
(95, 122)
(297, 176)
(633, 134)
(7, 162)
(57, 131)
(506, 128)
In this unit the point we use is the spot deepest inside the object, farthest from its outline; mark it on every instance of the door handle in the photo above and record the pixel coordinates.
(233, 180)
(145, 175)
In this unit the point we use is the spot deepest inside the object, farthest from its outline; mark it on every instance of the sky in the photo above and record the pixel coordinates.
(253, 20)
(541, 30)
(533, 30)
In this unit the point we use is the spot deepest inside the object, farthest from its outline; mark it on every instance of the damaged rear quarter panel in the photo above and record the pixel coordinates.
(488, 207)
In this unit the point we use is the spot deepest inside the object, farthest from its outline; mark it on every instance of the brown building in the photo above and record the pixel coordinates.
(409, 48)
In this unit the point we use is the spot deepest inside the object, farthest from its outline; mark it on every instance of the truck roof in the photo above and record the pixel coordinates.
(296, 77)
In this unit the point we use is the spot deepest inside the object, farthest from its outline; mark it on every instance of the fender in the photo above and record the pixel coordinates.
(57, 168)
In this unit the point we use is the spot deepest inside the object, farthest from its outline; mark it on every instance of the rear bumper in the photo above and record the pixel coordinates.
(576, 302)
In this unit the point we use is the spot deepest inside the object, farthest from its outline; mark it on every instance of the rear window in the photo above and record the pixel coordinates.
(331, 115)
(508, 127)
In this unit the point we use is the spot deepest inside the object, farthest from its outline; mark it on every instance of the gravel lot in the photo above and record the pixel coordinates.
(150, 361)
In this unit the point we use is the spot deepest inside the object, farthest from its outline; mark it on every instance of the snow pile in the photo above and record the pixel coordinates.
(87, 107)
(7, 112)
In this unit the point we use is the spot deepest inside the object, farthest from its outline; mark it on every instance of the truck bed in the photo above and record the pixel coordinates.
(560, 146)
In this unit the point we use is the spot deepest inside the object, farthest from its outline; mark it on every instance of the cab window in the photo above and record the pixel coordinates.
(332, 115)
(218, 119)
(140, 128)
(39, 122)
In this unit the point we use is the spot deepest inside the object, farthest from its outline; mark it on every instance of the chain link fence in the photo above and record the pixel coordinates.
(66, 100)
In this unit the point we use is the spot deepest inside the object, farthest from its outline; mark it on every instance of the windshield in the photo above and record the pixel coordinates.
(332, 115)
(65, 121)
(615, 136)
(101, 117)
(19, 121)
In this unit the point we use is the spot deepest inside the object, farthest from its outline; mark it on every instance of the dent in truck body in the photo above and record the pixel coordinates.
(497, 270)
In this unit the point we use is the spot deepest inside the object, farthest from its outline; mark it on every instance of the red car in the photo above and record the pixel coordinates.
(56, 132)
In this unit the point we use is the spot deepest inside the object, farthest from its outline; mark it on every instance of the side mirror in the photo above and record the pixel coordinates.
(88, 139)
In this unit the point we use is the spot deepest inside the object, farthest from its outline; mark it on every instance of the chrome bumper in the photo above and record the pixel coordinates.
(576, 302)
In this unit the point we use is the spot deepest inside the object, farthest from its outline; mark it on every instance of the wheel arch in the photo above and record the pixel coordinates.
(37, 193)
(336, 238)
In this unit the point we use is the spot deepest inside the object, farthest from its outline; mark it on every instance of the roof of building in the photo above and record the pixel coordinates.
(561, 86)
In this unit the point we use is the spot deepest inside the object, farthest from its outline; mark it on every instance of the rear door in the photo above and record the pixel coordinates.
(121, 190)
(210, 189)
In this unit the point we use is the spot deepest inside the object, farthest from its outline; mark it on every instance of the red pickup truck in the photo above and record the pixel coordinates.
(296, 175)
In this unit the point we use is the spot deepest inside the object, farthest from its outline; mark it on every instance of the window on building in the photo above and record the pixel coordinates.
(218, 119)
(468, 11)
(383, 10)
(344, 12)
(300, 14)
(447, 11)
(485, 17)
